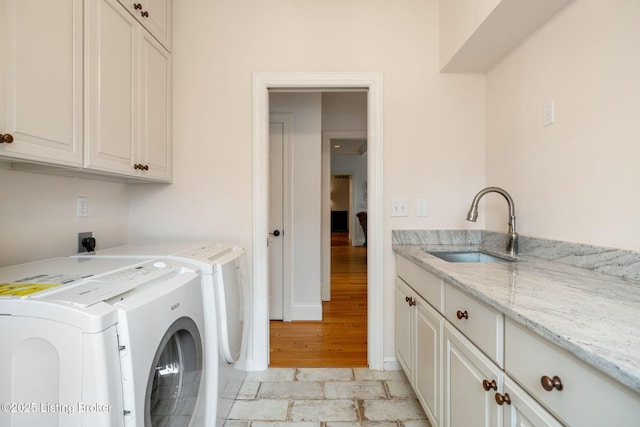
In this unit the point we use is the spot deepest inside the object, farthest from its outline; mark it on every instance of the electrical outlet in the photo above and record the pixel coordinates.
(82, 207)
(82, 236)
(549, 113)
(422, 207)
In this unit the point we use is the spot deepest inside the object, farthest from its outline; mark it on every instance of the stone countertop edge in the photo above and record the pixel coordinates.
(594, 316)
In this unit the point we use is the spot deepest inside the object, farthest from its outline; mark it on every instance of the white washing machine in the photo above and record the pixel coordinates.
(226, 301)
(101, 342)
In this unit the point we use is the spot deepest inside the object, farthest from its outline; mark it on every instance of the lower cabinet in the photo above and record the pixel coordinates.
(418, 347)
(460, 383)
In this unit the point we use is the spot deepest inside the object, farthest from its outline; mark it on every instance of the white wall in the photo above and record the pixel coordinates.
(38, 215)
(576, 180)
(305, 198)
(433, 124)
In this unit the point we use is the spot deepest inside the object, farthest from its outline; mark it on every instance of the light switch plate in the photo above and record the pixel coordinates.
(399, 207)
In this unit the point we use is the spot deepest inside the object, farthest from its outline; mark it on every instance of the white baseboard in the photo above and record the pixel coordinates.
(306, 312)
(391, 364)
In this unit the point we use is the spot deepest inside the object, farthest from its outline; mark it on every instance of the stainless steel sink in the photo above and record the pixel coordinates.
(468, 256)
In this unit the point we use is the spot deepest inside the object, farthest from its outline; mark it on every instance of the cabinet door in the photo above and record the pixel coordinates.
(155, 16)
(466, 402)
(523, 410)
(155, 147)
(41, 80)
(112, 93)
(404, 327)
(428, 343)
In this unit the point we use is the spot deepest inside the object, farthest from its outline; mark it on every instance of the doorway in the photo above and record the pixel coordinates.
(372, 83)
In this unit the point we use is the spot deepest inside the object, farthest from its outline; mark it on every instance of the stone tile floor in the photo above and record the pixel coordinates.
(326, 397)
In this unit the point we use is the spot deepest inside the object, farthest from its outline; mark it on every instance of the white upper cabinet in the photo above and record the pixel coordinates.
(128, 95)
(155, 105)
(155, 16)
(41, 81)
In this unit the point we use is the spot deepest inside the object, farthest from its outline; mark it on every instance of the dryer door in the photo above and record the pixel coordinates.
(230, 294)
(174, 381)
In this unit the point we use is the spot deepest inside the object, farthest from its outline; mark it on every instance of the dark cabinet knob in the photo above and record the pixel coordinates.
(144, 13)
(489, 385)
(501, 399)
(137, 6)
(7, 137)
(462, 314)
(275, 233)
(551, 383)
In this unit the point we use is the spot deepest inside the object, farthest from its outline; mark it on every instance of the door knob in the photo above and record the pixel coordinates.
(275, 233)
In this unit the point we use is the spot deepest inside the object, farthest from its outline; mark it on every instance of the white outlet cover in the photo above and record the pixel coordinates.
(82, 207)
(422, 207)
(549, 113)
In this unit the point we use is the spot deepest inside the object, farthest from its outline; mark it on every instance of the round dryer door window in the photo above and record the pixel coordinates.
(174, 381)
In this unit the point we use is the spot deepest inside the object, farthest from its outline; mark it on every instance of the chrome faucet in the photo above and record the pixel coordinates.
(512, 238)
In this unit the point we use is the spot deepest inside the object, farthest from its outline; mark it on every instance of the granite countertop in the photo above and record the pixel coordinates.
(594, 316)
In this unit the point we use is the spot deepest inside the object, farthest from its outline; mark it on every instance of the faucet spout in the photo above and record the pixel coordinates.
(512, 238)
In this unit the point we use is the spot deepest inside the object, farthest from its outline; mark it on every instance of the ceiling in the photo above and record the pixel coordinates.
(348, 147)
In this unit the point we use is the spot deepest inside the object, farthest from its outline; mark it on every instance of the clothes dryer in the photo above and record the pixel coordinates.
(227, 304)
(101, 342)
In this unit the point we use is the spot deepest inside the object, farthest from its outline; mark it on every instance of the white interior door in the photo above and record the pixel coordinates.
(280, 128)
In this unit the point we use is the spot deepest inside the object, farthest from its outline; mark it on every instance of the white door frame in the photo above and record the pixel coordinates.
(258, 355)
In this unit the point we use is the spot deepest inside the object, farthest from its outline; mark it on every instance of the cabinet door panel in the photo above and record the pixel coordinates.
(467, 404)
(404, 328)
(585, 391)
(156, 109)
(154, 15)
(524, 411)
(483, 325)
(112, 95)
(428, 378)
(41, 48)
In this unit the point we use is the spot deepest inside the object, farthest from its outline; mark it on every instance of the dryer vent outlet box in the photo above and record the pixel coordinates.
(84, 240)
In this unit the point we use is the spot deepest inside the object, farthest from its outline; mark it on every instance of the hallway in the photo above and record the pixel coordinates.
(340, 339)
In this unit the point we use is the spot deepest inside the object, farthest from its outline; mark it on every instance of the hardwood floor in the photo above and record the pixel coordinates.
(340, 339)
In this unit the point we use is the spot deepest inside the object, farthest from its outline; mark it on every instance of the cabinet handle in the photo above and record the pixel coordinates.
(407, 299)
(462, 314)
(144, 13)
(501, 399)
(7, 137)
(140, 166)
(551, 383)
(137, 6)
(489, 385)
(412, 302)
